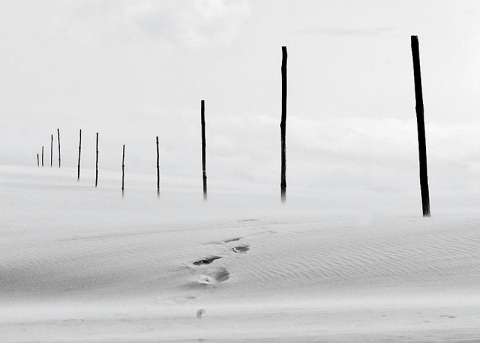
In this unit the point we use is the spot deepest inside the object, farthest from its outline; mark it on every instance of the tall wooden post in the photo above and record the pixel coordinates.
(59, 156)
(96, 163)
(79, 154)
(158, 168)
(422, 149)
(123, 170)
(51, 151)
(38, 160)
(283, 126)
(42, 154)
(204, 148)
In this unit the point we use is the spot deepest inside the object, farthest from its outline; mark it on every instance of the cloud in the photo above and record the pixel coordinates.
(182, 23)
(348, 32)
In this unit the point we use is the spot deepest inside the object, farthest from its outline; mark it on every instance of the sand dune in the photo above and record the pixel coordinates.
(96, 267)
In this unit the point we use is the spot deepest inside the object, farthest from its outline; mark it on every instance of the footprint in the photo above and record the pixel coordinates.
(215, 276)
(200, 313)
(241, 249)
(206, 261)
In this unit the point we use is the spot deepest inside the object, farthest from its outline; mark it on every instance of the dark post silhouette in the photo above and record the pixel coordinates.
(59, 157)
(204, 148)
(79, 154)
(283, 125)
(38, 161)
(422, 148)
(123, 170)
(158, 168)
(96, 163)
(51, 151)
(42, 155)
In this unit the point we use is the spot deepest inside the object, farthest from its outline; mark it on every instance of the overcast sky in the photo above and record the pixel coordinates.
(132, 70)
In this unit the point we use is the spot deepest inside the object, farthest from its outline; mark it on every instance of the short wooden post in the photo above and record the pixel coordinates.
(42, 154)
(123, 170)
(283, 125)
(96, 163)
(59, 156)
(158, 168)
(79, 154)
(204, 150)
(422, 148)
(38, 160)
(51, 151)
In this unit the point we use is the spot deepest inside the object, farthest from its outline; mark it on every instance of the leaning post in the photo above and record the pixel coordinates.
(204, 150)
(51, 151)
(79, 154)
(422, 148)
(59, 157)
(158, 168)
(283, 126)
(123, 170)
(96, 162)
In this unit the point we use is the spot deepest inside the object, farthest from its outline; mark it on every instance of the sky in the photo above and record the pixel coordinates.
(133, 70)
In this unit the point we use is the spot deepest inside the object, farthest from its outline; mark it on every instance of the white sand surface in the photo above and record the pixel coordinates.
(79, 264)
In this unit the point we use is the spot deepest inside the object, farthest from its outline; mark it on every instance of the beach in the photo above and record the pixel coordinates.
(81, 264)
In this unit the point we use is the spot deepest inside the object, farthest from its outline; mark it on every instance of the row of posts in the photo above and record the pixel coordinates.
(51, 152)
(283, 183)
(96, 159)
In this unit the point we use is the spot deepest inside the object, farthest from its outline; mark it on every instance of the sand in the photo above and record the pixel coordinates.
(79, 264)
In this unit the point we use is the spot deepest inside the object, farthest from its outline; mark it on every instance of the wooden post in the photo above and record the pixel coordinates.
(422, 149)
(96, 163)
(51, 151)
(38, 160)
(204, 148)
(158, 168)
(283, 125)
(42, 155)
(59, 157)
(79, 153)
(123, 170)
